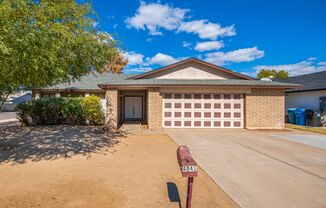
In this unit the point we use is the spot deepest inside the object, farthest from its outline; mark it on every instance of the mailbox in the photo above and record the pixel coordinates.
(187, 164)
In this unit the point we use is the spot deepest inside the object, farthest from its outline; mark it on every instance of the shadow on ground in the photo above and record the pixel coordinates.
(20, 144)
(173, 193)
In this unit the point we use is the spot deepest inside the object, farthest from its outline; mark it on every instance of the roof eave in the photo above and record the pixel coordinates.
(106, 86)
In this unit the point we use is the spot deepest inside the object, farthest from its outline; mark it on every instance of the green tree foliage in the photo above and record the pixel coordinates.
(266, 73)
(46, 42)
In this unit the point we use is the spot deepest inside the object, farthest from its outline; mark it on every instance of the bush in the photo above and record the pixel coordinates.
(41, 111)
(93, 110)
(51, 110)
(73, 111)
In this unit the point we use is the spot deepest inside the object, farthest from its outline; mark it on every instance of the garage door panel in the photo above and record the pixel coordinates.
(202, 110)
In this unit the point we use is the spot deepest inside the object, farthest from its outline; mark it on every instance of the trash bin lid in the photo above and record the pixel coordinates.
(291, 109)
(302, 110)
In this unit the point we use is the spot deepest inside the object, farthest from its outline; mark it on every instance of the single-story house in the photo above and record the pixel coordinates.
(312, 94)
(188, 94)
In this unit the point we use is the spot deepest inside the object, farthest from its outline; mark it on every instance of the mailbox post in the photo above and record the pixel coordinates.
(188, 167)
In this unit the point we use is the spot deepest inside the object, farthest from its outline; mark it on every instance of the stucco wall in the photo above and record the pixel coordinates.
(309, 100)
(264, 109)
(192, 71)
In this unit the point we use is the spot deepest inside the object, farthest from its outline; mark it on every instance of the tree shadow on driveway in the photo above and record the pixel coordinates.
(20, 144)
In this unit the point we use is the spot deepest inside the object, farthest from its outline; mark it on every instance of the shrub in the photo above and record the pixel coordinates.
(93, 110)
(23, 113)
(51, 110)
(72, 111)
(41, 111)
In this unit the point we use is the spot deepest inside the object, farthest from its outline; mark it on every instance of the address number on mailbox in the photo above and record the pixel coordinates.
(189, 169)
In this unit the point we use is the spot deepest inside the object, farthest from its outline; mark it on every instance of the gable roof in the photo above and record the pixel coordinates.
(191, 60)
(310, 82)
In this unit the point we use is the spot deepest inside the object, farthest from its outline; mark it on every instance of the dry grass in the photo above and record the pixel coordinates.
(320, 130)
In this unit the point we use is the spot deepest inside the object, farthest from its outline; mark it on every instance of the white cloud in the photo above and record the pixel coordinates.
(154, 16)
(140, 69)
(186, 44)
(303, 67)
(134, 58)
(237, 56)
(161, 59)
(323, 63)
(209, 45)
(206, 29)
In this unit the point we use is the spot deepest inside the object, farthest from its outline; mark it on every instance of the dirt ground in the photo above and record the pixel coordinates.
(79, 167)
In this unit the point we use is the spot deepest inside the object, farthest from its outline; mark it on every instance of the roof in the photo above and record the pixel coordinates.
(192, 82)
(228, 71)
(94, 82)
(310, 82)
(89, 82)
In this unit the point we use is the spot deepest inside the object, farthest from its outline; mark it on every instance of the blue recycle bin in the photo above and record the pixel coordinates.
(300, 116)
(291, 115)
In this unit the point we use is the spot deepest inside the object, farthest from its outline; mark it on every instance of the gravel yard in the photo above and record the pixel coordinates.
(62, 166)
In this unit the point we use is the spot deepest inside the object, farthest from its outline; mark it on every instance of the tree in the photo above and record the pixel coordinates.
(267, 73)
(46, 42)
(116, 63)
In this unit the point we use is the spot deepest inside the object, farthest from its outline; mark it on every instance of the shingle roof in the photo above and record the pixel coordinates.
(191, 82)
(92, 82)
(310, 82)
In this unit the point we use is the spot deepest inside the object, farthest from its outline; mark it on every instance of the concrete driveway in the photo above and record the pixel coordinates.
(258, 169)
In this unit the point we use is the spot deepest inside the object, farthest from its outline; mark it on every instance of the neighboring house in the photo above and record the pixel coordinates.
(311, 96)
(188, 94)
(20, 97)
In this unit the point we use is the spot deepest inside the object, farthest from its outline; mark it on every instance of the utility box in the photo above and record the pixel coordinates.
(187, 164)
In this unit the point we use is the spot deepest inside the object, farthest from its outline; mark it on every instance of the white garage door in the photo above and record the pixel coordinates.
(202, 110)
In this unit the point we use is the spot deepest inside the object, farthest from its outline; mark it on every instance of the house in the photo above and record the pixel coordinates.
(311, 96)
(187, 94)
(15, 99)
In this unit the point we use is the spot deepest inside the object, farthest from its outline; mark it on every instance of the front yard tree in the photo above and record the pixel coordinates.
(267, 73)
(46, 42)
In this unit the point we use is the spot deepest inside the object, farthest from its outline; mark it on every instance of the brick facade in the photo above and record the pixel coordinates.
(111, 118)
(154, 108)
(264, 109)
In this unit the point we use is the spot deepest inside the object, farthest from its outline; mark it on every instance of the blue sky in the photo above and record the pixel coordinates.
(244, 36)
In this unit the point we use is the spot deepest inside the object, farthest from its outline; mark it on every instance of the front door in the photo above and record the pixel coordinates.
(133, 108)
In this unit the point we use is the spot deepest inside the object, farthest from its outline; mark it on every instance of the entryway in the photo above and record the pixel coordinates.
(132, 106)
